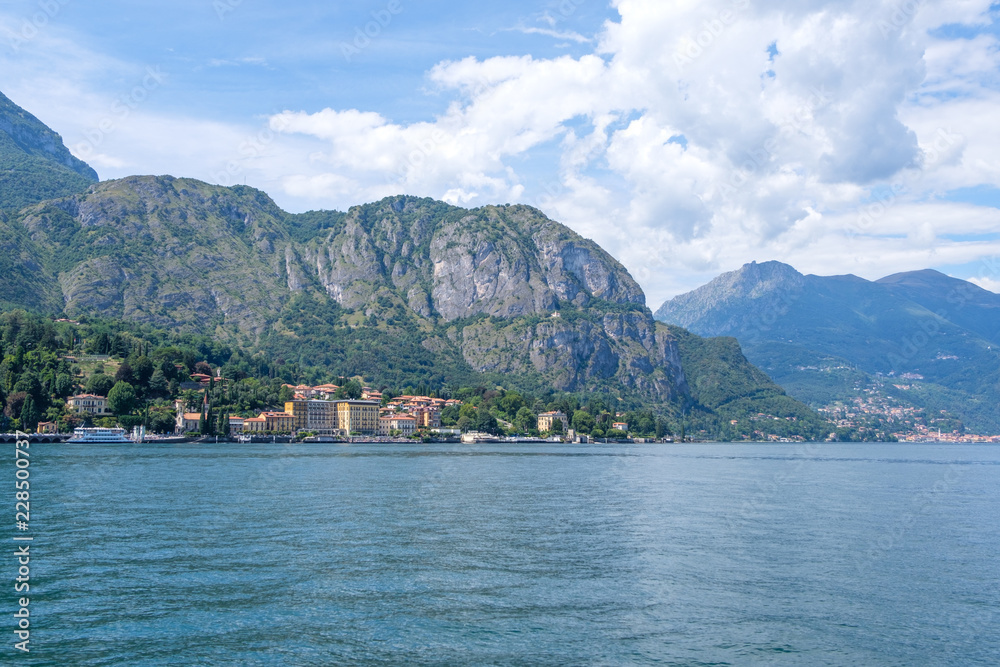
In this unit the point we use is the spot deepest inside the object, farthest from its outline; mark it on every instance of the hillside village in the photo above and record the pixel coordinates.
(317, 411)
(58, 375)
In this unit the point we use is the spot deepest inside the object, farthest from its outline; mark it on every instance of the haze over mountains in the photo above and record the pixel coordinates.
(925, 338)
(394, 290)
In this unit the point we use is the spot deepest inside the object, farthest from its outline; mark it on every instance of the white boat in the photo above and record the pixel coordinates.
(113, 435)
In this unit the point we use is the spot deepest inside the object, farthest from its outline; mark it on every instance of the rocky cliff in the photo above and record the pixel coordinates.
(34, 163)
(508, 289)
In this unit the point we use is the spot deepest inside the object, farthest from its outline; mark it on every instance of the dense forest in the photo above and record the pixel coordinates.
(141, 370)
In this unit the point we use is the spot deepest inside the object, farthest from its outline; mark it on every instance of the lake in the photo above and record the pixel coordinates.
(325, 554)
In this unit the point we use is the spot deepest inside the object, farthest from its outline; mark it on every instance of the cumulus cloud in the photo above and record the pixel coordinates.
(713, 133)
(696, 136)
(990, 284)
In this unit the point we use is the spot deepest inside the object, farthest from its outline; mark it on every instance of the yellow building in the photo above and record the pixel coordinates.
(358, 416)
(254, 425)
(89, 403)
(313, 415)
(46, 427)
(278, 421)
(546, 418)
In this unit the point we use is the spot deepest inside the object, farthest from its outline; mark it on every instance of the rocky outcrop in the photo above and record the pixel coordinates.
(32, 137)
(510, 290)
(504, 261)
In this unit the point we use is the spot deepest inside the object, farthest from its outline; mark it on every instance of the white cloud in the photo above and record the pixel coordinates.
(704, 149)
(697, 136)
(990, 284)
(224, 62)
(557, 34)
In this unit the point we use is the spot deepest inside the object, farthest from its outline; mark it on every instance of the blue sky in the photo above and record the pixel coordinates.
(685, 137)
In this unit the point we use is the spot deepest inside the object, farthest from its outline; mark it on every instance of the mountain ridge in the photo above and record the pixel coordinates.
(819, 336)
(35, 165)
(405, 290)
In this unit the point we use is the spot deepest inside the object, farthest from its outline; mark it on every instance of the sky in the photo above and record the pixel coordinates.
(685, 137)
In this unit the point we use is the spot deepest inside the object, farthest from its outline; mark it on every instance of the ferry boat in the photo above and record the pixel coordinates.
(106, 435)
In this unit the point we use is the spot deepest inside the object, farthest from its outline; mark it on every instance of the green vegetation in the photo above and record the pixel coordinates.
(727, 389)
(842, 339)
(43, 364)
(34, 163)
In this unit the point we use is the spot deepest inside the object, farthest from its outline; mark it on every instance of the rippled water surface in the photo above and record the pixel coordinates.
(553, 554)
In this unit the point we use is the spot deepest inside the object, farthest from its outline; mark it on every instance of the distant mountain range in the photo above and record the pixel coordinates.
(403, 290)
(926, 338)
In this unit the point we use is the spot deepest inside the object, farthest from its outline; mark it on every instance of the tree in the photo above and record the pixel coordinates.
(29, 414)
(124, 374)
(557, 426)
(64, 385)
(487, 423)
(121, 399)
(101, 344)
(30, 384)
(143, 370)
(15, 403)
(350, 389)
(203, 368)
(161, 421)
(450, 415)
(208, 421)
(158, 385)
(525, 420)
(511, 404)
(583, 421)
(99, 384)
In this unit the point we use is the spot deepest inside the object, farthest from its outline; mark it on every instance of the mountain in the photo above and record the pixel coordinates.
(509, 290)
(825, 339)
(34, 163)
(403, 291)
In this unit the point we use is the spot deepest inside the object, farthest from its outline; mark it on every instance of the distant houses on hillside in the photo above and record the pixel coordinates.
(314, 409)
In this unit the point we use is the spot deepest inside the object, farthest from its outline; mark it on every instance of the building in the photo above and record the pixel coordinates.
(546, 418)
(405, 424)
(281, 422)
(313, 415)
(325, 390)
(254, 425)
(370, 394)
(358, 416)
(267, 421)
(427, 417)
(89, 403)
(236, 425)
(47, 427)
(186, 422)
(620, 426)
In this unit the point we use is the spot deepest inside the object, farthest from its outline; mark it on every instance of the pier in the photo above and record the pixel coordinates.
(36, 437)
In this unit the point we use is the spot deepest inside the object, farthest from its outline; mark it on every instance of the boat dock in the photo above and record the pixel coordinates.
(36, 437)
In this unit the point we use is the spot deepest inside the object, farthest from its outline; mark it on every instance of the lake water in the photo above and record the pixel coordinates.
(322, 554)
